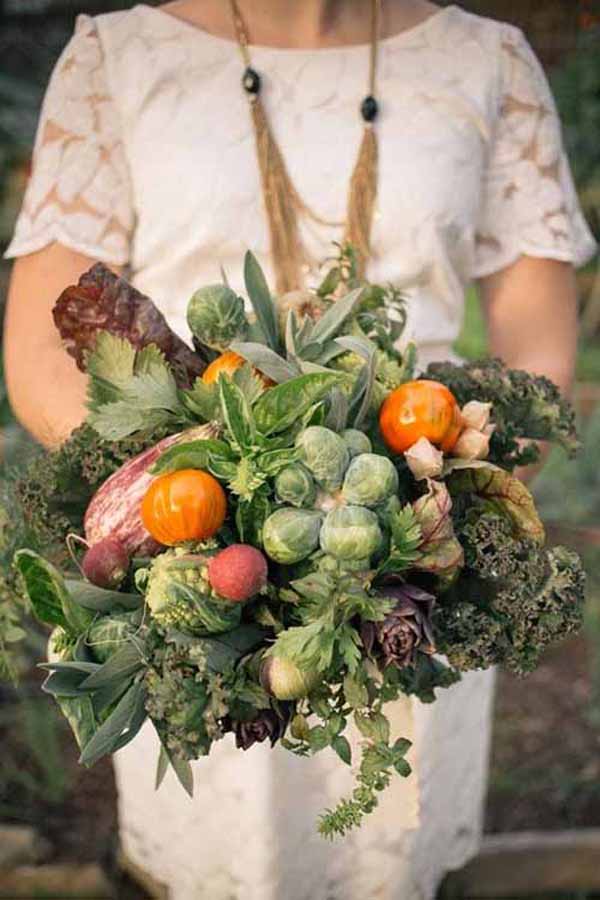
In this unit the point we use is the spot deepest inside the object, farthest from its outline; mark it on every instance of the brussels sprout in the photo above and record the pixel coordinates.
(290, 535)
(370, 480)
(351, 533)
(295, 485)
(216, 316)
(356, 441)
(281, 678)
(109, 634)
(325, 454)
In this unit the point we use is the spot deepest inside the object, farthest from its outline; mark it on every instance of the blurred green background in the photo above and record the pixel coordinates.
(536, 782)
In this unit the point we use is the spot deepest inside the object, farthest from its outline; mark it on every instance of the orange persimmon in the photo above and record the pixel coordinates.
(187, 505)
(226, 364)
(419, 409)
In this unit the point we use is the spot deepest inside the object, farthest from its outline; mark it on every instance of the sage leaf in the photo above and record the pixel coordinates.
(117, 729)
(261, 300)
(100, 599)
(267, 361)
(330, 324)
(122, 664)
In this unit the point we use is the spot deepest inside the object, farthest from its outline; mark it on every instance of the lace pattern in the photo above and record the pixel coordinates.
(80, 192)
(529, 201)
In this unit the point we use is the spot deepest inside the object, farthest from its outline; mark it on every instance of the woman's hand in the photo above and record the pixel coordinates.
(46, 390)
(531, 313)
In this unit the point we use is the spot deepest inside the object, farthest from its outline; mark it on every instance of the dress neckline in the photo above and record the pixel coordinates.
(399, 38)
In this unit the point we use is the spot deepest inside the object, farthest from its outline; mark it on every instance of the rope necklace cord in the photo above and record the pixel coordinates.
(283, 204)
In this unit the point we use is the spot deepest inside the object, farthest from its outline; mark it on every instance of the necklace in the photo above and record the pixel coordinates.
(284, 206)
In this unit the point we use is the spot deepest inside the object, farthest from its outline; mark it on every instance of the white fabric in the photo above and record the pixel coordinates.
(145, 157)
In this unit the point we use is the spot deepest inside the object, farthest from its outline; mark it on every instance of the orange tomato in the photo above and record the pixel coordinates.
(225, 364)
(188, 505)
(420, 409)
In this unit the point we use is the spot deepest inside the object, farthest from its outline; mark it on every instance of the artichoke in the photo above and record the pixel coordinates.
(351, 533)
(370, 480)
(325, 455)
(405, 631)
(356, 441)
(290, 535)
(179, 595)
(295, 485)
(216, 316)
(266, 725)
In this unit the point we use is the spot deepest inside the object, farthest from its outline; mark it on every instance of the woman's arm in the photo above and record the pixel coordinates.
(531, 313)
(46, 390)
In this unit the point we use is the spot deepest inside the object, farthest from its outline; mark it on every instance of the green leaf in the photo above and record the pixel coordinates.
(507, 493)
(269, 363)
(373, 725)
(119, 420)
(99, 599)
(283, 405)
(45, 588)
(161, 767)
(362, 394)
(121, 665)
(110, 366)
(330, 324)
(261, 300)
(202, 400)
(118, 729)
(249, 382)
(237, 414)
(309, 646)
(355, 692)
(406, 538)
(403, 768)
(251, 515)
(79, 713)
(273, 461)
(191, 455)
(342, 748)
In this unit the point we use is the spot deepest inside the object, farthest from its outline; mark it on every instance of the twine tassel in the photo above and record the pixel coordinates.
(282, 205)
(362, 196)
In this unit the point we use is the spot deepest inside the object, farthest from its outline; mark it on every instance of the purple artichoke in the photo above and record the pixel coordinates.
(267, 725)
(405, 631)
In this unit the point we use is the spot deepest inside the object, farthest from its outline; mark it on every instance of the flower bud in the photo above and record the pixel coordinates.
(281, 678)
(424, 460)
(472, 444)
(476, 414)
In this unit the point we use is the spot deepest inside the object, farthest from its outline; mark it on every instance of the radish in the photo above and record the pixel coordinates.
(106, 563)
(238, 572)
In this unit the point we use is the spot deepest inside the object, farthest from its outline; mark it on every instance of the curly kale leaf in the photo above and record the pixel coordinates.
(524, 406)
(514, 600)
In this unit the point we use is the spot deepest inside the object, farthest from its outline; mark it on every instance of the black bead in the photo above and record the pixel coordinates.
(251, 81)
(369, 108)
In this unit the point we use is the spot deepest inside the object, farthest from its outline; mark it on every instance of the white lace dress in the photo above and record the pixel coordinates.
(145, 156)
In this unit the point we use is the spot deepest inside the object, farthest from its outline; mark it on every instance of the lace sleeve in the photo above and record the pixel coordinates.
(79, 193)
(529, 203)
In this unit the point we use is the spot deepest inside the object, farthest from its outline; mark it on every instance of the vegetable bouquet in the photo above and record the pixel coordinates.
(282, 530)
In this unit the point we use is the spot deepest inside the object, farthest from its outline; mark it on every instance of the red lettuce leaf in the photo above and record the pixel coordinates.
(101, 301)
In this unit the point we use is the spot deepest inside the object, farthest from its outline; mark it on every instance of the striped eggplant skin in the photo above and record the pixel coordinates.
(114, 510)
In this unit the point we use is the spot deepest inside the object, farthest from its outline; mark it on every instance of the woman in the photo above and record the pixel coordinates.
(145, 158)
